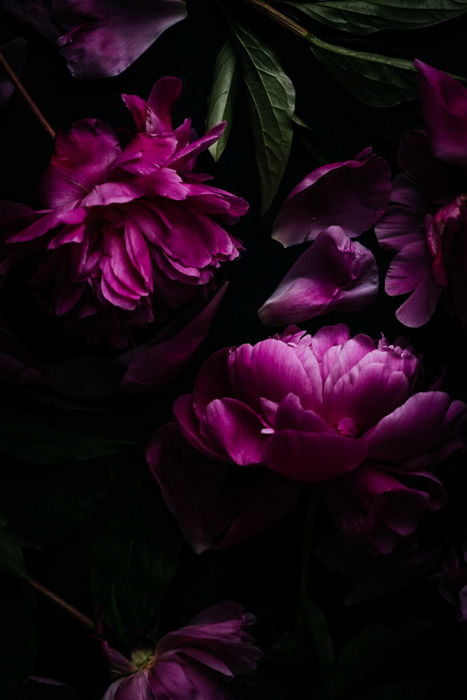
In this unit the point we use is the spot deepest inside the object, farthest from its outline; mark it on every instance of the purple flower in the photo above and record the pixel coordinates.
(99, 38)
(125, 226)
(352, 194)
(217, 505)
(198, 661)
(333, 274)
(379, 505)
(315, 407)
(15, 53)
(426, 223)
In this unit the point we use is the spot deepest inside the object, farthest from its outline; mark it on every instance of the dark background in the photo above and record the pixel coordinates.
(57, 508)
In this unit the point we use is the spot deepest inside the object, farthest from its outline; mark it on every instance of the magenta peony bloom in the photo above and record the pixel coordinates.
(15, 53)
(125, 226)
(315, 407)
(426, 222)
(378, 506)
(352, 194)
(198, 661)
(217, 505)
(99, 38)
(333, 274)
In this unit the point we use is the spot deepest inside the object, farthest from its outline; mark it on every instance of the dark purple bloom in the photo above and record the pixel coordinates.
(198, 661)
(426, 223)
(333, 274)
(315, 407)
(99, 38)
(15, 53)
(127, 228)
(216, 504)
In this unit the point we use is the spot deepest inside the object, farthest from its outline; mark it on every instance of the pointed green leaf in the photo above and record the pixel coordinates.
(368, 16)
(271, 99)
(222, 97)
(318, 631)
(379, 81)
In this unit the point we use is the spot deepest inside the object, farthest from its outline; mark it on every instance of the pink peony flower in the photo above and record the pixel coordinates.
(198, 661)
(217, 505)
(426, 223)
(125, 226)
(315, 407)
(15, 53)
(99, 38)
(333, 274)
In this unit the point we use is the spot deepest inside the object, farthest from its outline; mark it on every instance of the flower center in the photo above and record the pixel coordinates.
(142, 658)
(346, 426)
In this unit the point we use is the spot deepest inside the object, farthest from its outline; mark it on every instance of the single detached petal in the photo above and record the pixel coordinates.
(444, 105)
(334, 274)
(99, 38)
(352, 194)
(15, 53)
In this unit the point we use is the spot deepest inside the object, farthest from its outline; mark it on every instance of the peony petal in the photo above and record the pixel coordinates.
(312, 457)
(236, 428)
(333, 274)
(444, 105)
(83, 157)
(423, 422)
(352, 194)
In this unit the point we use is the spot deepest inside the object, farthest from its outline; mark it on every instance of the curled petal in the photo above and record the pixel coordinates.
(352, 194)
(334, 274)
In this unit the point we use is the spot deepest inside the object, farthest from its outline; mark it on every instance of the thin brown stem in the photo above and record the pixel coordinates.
(278, 17)
(26, 96)
(84, 619)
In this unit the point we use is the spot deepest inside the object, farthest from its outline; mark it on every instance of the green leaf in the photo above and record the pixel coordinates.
(133, 556)
(368, 16)
(222, 97)
(17, 640)
(379, 81)
(271, 100)
(319, 632)
(11, 555)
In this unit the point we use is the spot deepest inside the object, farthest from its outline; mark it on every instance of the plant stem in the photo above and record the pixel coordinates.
(84, 619)
(278, 17)
(26, 96)
(309, 524)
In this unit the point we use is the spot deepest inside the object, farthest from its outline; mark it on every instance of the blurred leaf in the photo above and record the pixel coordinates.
(222, 96)
(366, 653)
(271, 99)
(133, 556)
(11, 555)
(17, 640)
(379, 81)
(33, 434)
(318, 631)
(368, 16)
